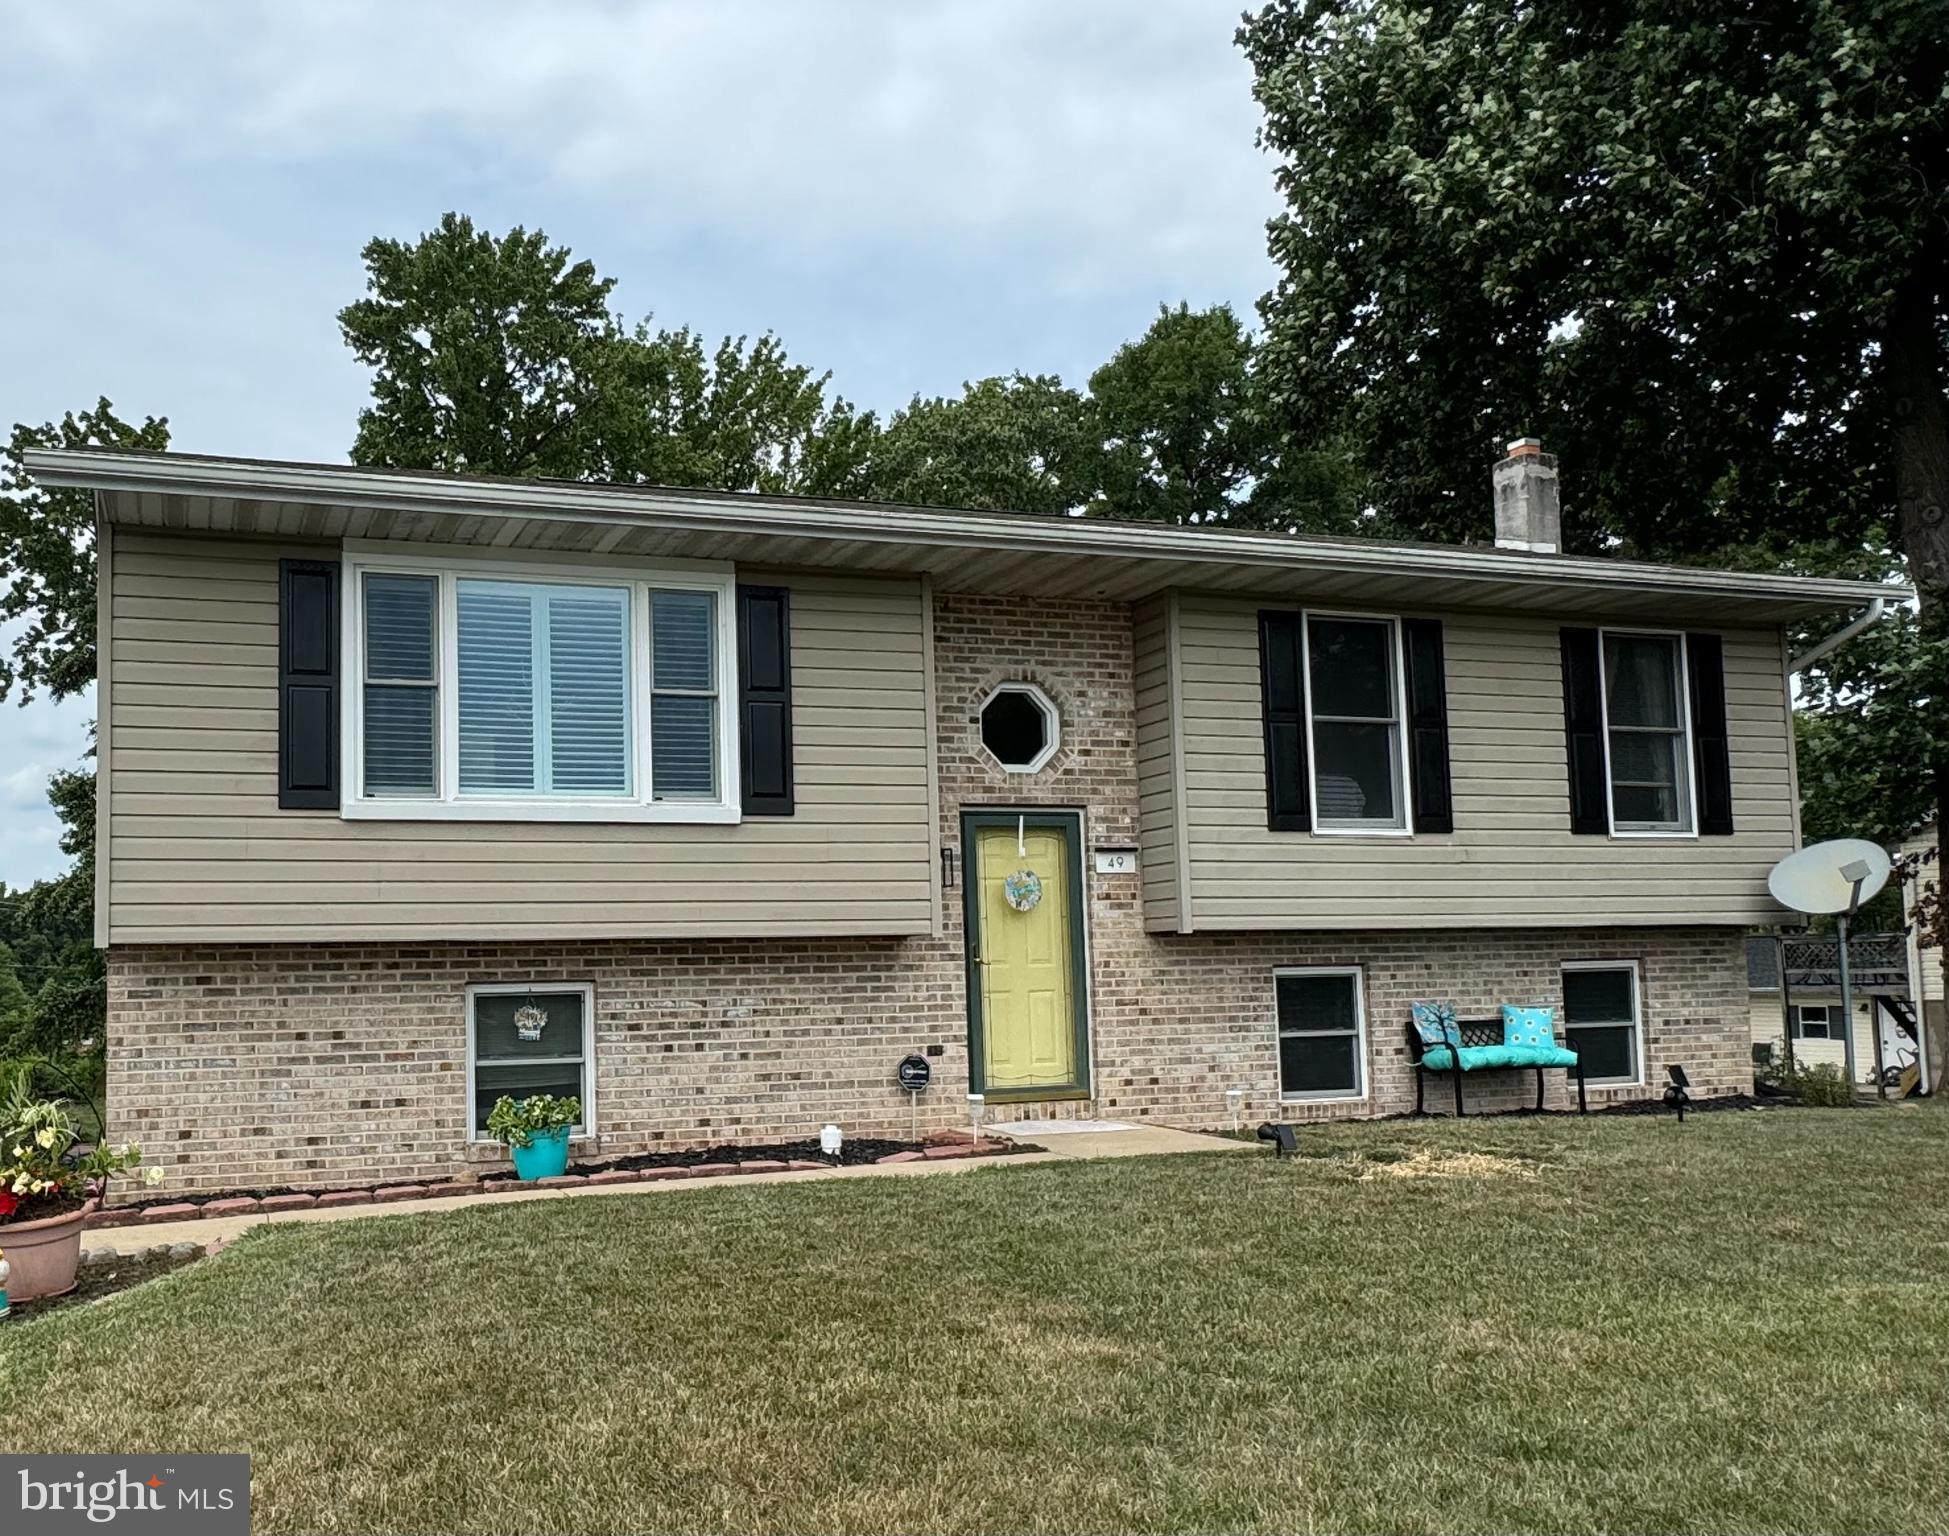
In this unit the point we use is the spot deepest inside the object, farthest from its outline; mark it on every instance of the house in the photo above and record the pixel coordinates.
(1809, 1009)
(751, 797)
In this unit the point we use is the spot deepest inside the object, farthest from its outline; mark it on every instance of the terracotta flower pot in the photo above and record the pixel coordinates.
(44, 1254)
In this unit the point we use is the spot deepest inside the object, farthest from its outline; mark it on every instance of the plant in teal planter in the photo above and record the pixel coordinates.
(535, 1131)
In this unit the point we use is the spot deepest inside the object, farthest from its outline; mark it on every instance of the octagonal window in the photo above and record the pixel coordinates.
(1019, 727)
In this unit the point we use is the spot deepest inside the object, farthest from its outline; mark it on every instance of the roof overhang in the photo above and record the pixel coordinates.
(973, 551)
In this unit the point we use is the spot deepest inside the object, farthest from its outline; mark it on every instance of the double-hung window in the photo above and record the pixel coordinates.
(1602, 1020)
(1322, 1033)
(525, 1040)
(1354, 699)
(494, 691)
(1647, 736)
(1814, 1021)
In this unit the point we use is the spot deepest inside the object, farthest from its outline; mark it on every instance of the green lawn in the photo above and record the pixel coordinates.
(1736, 1325)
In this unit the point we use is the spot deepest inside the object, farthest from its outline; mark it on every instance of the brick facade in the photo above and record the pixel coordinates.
(242, 1066)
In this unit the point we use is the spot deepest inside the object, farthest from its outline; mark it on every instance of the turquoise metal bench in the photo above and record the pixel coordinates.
(1479, 1048)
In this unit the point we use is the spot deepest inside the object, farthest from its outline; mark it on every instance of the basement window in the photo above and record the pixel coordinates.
(1019, 727)
(1322, 1033)
(1602, 1021)
(523, 1040)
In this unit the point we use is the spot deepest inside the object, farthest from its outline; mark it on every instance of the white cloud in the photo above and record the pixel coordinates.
(1110, 135)
(911, 192)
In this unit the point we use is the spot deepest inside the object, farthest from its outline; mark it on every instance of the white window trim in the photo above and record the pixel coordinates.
(1360, 1063)
(1827, 1010)
(1050, 713)
(1686, 751)
(585, 1127)
(1400, 670)
(716, 577)
(1637, 1018)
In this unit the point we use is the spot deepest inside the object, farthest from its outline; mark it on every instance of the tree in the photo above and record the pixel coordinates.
(1705, 255)
(1182, 440)
(47, 553)
(1023, 443)
(489, 355)
(501, 355)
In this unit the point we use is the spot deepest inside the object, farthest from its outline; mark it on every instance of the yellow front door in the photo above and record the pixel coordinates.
(1025, 959)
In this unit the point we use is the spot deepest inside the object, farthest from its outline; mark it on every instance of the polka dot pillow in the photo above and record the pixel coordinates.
(1435, 1023)
(1528, 1026)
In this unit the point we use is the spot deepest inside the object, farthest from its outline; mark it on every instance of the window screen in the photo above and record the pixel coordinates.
(557, 1063)
(1319, 1034)
(401, 703)
(1645, 712)
(1356, 723)
(683, 701)
(1600, 1018)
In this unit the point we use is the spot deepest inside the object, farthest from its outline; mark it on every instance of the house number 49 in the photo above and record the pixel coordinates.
(1116, 861)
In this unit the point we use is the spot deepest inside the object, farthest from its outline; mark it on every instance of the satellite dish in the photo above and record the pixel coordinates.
(1822, 878)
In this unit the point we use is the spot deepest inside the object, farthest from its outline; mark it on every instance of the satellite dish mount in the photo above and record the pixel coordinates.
(1832, 879)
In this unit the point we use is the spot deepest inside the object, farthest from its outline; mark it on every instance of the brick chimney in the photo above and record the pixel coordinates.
(1528, 515)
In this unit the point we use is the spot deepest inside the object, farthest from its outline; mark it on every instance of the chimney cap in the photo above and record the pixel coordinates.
(1526, 448)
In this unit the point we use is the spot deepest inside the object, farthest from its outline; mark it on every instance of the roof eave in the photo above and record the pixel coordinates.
(709, 512)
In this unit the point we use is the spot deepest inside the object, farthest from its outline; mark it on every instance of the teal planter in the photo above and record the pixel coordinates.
(545, 1156)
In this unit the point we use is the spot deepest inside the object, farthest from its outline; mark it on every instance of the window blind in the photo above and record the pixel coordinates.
(401, 692)
(683, 703)
(544, 689)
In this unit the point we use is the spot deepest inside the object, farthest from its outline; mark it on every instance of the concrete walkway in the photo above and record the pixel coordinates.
(1138, 1141)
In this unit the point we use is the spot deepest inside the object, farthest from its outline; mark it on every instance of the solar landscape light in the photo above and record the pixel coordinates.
(1678, 1092)
(1284, 1141)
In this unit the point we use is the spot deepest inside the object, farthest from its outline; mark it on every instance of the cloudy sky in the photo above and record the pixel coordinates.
(912, 193)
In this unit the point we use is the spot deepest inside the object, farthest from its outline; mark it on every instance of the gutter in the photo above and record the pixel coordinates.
(1871, 616)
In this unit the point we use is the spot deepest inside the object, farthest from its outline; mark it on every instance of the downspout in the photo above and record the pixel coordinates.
(1877, 607)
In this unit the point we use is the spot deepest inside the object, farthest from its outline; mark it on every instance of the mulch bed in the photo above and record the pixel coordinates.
(774, 1157)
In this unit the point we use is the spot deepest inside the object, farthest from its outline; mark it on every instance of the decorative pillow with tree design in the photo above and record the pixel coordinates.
(1435, 1023)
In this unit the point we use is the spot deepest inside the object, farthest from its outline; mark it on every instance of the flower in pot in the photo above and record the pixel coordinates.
(535, 1131)
(47, 1188)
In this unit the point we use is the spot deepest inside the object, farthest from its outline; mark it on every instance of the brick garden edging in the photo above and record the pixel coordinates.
(388, 1194)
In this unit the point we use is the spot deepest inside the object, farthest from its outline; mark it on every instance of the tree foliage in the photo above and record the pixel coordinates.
(1703, 252)
(1023, 444)
(501, 355)
(47, 554)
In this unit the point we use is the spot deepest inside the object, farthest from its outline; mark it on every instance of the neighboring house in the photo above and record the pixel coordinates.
(1925, 961)
(752, 796)
(1811, 1004)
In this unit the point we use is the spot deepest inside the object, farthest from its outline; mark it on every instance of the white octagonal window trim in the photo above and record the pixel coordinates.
(1020, 728)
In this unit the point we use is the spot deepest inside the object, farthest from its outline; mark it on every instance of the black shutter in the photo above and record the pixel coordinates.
(1583, 728)
(765, 699)
(1282, 693)
(1705, 662)
(1434, 809)
(307, 697)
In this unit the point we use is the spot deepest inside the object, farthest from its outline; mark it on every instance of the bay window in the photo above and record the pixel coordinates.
(493, 691)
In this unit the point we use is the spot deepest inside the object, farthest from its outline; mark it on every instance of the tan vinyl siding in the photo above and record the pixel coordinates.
(1157, 789)
(1512, 857)
(200, 850)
